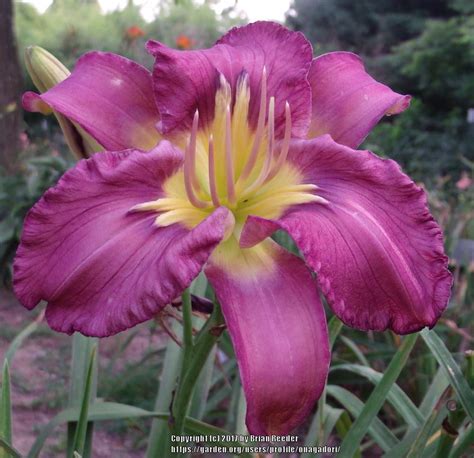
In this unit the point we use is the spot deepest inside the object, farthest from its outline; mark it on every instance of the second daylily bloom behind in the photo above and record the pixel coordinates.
(255, 136)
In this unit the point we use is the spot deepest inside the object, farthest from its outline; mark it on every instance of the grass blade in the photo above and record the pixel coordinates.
(395, 396)
(22, 336)
(102, 411)
(5, 410)
(343, 426)
(463, 443)
(356, 350)
(334, 328)
(202, 388)
(377, 398)
(79, 443)
(331, 417)
(377, 430)
(452, 370)
(418, 445)
(10, 451)
(82, 348)
(438, 385)
(240, 426)
(158, 439)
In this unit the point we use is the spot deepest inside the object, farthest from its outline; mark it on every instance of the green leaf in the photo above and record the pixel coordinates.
(82, 348)
(439, 383)
(192, 366)
(158, 439)
(452, 370)
(343, 426)
(79, 443)
(231, 417)
(395, 396)
(463, 443)
(10, 451)
(21, 337)
(7, 229)
(5, 409)
(240, 425)
(102, 411)
(331, 417)
(401, 449)
(356, 350)
(377, 430)
(202, 388)
(434, 420)
(334, 328)
(377, 398)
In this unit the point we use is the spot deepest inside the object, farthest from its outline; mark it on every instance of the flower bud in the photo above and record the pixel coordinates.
(46, 72)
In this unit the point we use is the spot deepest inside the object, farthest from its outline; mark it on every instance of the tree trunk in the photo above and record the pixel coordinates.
(10, 90)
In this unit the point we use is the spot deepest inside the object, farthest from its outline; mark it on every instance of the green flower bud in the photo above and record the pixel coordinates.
(46, 72)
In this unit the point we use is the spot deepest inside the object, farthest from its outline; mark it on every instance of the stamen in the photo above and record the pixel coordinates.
(194, 129)
(271, 134)
(269, 153)
(212, 173)
(260, 128)
(229, 160)
(285, 146)
(190, 179)
(278, 201)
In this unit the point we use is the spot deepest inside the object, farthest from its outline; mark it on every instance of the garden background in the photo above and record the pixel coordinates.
(417, 47)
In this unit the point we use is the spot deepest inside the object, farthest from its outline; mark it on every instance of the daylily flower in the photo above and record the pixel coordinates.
(247, 137)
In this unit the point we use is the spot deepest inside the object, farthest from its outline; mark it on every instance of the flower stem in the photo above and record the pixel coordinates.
(187, 328)
(194, 358)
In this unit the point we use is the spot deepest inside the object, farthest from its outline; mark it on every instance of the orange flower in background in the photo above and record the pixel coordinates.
(134, 32)
(184, 42)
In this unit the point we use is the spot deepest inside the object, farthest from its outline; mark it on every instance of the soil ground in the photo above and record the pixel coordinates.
(39, 375)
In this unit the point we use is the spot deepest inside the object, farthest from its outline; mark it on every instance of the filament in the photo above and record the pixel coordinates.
(229, 161)
(285, 146)
(260, 129)
(212, 173)
(190, 178)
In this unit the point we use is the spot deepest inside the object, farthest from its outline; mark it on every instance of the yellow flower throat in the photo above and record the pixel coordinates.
(227, 163)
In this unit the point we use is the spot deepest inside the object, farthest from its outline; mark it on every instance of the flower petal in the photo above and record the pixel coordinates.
(187, 80)
(278, 328)
(111, 97)
(376, 248)
(347, 101)
(100, 267)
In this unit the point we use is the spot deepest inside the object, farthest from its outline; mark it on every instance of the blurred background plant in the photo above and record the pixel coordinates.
(422, 48)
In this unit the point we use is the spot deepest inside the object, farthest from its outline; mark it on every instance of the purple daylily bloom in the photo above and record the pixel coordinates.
(252, 135)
